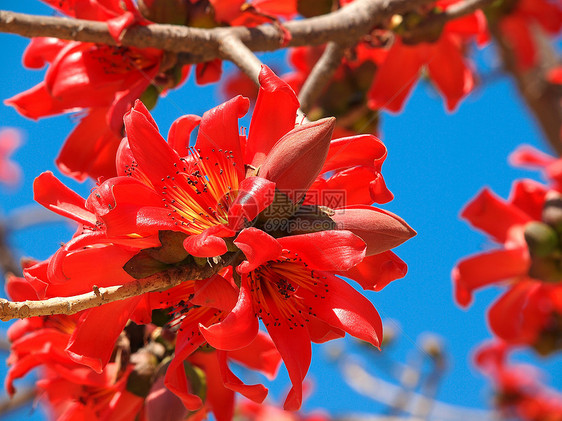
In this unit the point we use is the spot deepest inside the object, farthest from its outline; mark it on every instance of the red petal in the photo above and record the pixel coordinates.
(449, 72)
(55, 196)
(493, 215)
(258, 247)
(293, 343)
(37, 102)
(256, 393)
(364, 150)
(483, 269)
(260, 355)
(219, 130)
(239, 328)
(207, 244)
(506, 314)
(275, 98)
(180, 133)
(97, 331)
(208, 72)
(376, 272)
(342, 307)
(90, 149)
(396, 77)
(326, 250)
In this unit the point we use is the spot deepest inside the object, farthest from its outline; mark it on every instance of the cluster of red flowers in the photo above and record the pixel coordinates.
(265, 203)
(529, 313)
(519, 391)
(102, 82)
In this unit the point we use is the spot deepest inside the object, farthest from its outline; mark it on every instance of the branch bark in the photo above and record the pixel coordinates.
(321, 74)
(348, 23)
(234, 50)
(542, 98)
(70, 305)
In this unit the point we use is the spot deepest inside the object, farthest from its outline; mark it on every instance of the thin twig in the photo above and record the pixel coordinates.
(21, 398)
(8, 262)
(382, 391)
(321, 74)
(231, 48)
(70, 305)
(348, 23)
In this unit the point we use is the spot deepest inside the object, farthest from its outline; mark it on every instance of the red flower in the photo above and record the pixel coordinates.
(444, 59)
(69, 390)
(289, 284)
(530, 310)
(517, 27)
(252, 13)
(10, 172)
(171, 201)
(519, 392)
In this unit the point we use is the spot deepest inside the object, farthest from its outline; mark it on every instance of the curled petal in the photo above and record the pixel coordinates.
(239, 328)
(256, 392)
(376, 272)
(55, 196)
(258, 247)
(209, 243)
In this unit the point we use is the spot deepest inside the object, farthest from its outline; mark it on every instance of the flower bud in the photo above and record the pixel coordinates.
(381, 230)
(552, 210)
(297, 158)
(163, 405)
(541, 238)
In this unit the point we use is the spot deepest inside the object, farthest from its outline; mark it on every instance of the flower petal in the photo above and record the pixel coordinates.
(258, 247)
(239, 328)
(483, 269)
(326, 250)
(376, 272)
(97, 331)
(275, 98)
(342, 307)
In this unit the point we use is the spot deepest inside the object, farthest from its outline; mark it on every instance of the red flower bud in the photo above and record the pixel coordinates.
(381, 230)
(297, 158)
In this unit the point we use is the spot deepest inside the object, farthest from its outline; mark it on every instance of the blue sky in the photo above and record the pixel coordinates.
(436, 162)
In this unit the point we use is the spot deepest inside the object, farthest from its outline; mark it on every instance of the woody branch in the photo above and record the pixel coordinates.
(70, 305)
(344, 25)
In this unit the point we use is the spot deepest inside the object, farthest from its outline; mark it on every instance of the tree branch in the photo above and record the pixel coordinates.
(543, 98)
(8, 262)
(70, 305)
(321, 74)
(346, 24)
(435, 22)
(234, 50)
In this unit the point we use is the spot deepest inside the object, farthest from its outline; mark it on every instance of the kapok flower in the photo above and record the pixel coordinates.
(519, 392)
(289, 284)
(516, 24)
(530, 311)
(443, 57)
